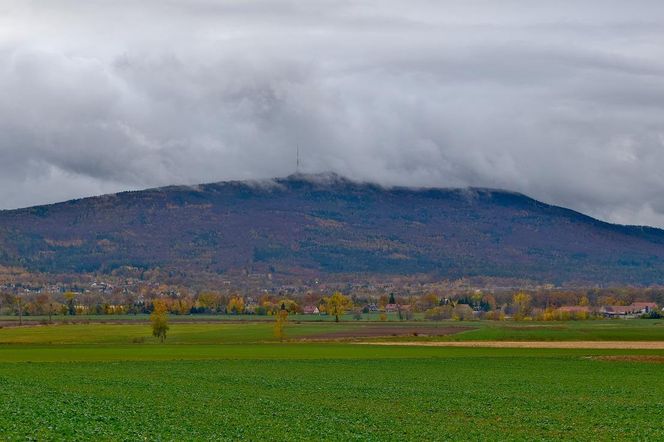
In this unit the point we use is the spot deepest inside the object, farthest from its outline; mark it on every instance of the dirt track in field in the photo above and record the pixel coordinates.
(618, 345)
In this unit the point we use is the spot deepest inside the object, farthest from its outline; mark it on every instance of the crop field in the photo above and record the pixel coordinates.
(231, 381)
(237, 331)
(598, 330)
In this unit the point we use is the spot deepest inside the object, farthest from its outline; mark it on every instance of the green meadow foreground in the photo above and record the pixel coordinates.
(234, 381)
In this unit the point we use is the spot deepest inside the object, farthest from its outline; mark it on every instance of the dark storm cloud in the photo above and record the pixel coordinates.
(560, 100)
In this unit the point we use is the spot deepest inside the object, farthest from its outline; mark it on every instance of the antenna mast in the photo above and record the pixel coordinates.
(297, 163)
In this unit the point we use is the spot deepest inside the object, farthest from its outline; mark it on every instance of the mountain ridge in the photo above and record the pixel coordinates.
(328, 225)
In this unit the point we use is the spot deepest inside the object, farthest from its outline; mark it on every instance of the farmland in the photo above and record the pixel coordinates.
(127, 329)
(233, 380)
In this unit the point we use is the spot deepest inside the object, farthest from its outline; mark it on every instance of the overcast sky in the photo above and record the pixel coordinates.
(561, 100)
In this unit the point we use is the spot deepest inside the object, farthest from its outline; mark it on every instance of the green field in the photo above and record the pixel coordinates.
(604, 330)
(141, 317)
(225, 381)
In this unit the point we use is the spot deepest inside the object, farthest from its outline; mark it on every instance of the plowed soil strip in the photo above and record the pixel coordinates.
(618, 345)
(383, 331)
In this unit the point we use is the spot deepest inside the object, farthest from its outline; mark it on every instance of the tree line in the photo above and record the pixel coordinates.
(520, 305)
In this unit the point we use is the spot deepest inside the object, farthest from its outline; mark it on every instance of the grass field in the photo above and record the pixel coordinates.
(604, 330)
(13, 319)
(227, 381)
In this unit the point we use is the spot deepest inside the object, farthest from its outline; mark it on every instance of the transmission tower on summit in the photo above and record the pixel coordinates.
(297, 159)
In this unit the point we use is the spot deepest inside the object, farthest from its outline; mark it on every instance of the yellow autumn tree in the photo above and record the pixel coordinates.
(159, 320)
(280, 320)
(210, 301)
(549, 314)
(521, 302)
(70, 299)
(337, 304)
(235, 306)
(182, 306)
(19, 305)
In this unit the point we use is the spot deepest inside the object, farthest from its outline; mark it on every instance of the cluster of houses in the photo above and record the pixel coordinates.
(633, 310)
(369, 308)
(613, 311)
(628, 311)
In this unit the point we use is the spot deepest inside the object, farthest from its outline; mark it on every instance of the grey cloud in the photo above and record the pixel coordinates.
(559, 100)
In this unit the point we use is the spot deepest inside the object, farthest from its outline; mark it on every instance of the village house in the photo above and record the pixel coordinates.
(310, 310)
(645, 307)
(391, 308)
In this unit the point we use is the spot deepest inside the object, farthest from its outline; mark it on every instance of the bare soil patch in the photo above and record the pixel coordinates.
(383, 331)
(620, 345)
(531, 327)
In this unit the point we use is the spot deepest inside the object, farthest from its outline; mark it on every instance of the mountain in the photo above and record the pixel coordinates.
(326, 225)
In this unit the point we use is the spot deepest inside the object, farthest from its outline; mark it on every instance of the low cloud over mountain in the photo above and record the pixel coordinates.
(560, 100)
